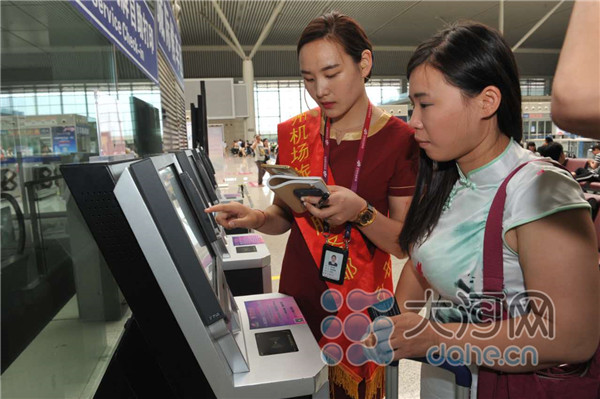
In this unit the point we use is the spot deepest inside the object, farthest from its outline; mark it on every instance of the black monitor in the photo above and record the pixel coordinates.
(92, 187)
(208, 166)
(205, 178)
(207, 160)
(146, 121)
(188, 164)
(174, 204)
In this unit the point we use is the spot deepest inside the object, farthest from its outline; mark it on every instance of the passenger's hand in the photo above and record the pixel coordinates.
(343, 205)
(234, 215)
(408, 335)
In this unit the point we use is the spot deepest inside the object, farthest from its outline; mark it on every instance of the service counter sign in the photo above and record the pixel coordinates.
(169, 40)
(129, 24)
(63, 139)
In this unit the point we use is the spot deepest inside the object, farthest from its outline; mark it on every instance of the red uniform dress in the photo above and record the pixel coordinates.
(389, 168)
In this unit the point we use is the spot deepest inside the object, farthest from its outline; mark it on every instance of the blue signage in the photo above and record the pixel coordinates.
(63, 139)
(129, 24)
(169, 40)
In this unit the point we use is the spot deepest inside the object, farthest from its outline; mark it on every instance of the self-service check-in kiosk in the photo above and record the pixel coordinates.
(206, 164)
(208, 181)
(245, 258)
(190, 337)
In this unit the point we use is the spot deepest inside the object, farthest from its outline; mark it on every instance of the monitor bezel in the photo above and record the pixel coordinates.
(210, 171)
(191, 167)
(206, 181)
(205, 296)
(207, 160)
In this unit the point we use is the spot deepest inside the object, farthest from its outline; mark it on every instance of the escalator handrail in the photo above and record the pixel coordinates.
(20, 220)
(42, 180)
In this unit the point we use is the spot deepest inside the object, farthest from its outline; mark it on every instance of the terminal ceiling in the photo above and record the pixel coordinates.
(48, 40)
(394, 27)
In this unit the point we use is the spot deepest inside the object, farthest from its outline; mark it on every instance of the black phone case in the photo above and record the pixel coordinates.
(379, 309)
(308, 192)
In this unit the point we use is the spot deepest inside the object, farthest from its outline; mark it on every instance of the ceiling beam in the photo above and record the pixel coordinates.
(501, 17)
(223, 36)
(537, 25)
(227, 25)
(327, 8)
(375, 49)
(267, 29)
(393, 18)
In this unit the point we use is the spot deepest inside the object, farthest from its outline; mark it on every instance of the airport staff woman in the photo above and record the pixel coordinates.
(467, 119)
(336, 60)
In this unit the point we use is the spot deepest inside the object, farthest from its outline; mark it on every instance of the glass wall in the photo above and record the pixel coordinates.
(278, 100)
(66, 94)
(110, 102)
(536, 87)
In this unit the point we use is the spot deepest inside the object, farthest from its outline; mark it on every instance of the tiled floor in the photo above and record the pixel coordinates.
(237, 171)
(66, 360)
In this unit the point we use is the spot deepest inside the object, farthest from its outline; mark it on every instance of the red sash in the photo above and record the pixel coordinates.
(301, 147)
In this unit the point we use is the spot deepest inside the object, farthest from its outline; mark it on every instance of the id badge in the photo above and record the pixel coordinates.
(333, 264)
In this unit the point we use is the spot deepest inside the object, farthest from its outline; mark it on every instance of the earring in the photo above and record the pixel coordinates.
(305, 101)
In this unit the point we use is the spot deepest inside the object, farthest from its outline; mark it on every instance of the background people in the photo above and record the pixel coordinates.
(267, 149)
(592, 169)
(531, 147)
(542, 148)
(259, 157)
(555, 151)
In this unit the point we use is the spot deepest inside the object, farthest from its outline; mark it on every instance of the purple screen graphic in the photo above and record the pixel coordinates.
(273, 313)
(251, 239)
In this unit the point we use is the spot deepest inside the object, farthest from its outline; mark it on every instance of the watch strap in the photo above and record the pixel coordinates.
(368, 211)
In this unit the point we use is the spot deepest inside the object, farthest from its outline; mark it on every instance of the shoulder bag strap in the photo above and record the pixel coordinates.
(493, 264)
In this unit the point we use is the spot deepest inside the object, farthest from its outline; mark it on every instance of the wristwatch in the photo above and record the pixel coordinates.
(366, 216)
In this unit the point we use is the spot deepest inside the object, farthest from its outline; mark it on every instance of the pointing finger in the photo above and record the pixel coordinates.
(215, 208)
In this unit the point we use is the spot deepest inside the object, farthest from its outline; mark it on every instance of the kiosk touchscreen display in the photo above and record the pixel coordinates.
(184, 212)
(203, 163)
(204, 178)
(202, 190)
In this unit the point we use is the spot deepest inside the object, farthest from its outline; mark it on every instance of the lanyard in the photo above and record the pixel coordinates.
(359, 158)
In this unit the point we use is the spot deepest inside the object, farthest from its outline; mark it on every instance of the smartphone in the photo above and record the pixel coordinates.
(279, 170)
(308, 192)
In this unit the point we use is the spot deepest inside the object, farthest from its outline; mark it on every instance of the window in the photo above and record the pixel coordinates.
(276, 101)
(536, 87)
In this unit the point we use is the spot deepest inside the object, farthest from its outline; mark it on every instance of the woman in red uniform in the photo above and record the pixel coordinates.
(369, 161)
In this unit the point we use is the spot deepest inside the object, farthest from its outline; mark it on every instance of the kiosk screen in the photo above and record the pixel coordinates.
(202, 189)
(184, 212)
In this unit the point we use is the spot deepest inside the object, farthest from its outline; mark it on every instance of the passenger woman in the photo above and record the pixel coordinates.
(336, 60)
(464, 86)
